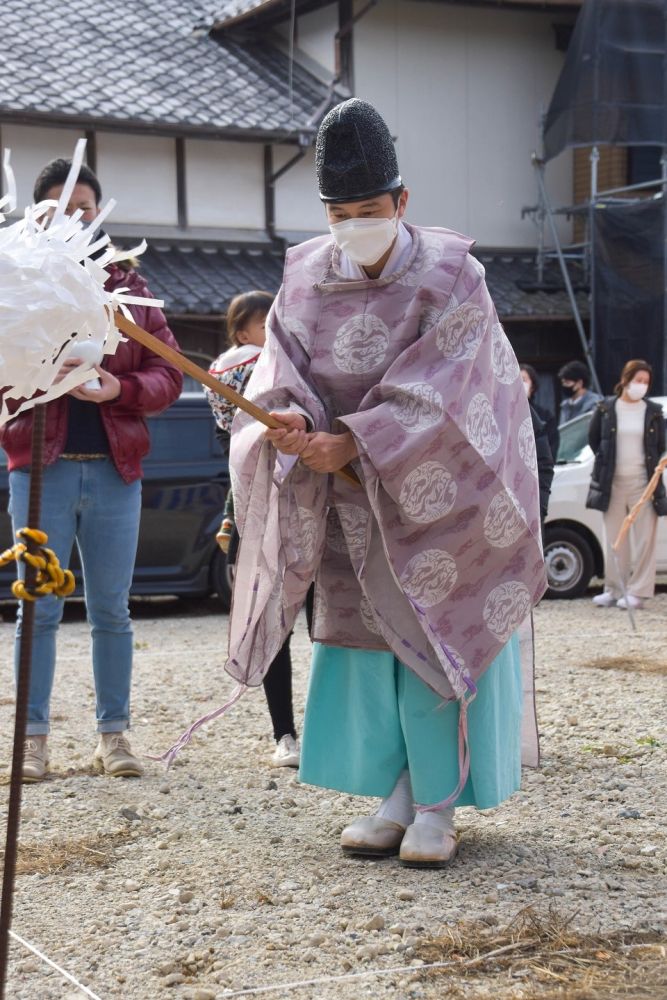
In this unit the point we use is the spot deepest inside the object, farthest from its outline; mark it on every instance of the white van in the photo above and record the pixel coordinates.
(573, 539)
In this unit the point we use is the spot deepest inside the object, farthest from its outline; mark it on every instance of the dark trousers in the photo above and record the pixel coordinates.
(278, 683)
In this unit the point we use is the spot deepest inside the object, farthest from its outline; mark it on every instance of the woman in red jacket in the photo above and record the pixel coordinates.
(95, 440)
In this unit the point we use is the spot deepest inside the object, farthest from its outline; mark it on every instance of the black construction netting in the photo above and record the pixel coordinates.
(629, 279)
(612, 88)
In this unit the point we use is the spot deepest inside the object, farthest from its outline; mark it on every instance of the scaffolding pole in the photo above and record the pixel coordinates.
(544, 199)
(592, 204)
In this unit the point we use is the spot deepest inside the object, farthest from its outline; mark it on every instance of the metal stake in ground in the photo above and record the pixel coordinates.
(22, 693)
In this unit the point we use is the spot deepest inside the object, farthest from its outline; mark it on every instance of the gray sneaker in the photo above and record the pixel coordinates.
(35, 759)
(113, 756)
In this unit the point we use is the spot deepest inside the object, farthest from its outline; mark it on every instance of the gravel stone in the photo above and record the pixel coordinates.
(174, 979)
(237, 879)
(130, 814)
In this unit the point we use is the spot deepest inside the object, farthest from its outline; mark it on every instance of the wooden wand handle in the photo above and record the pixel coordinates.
(184, 364)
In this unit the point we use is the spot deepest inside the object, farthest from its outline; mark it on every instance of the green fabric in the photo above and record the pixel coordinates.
(368, 717)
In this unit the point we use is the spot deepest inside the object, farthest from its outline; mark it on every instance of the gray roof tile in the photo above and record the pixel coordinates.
(140, 62)
(204, 280)
(512, 280)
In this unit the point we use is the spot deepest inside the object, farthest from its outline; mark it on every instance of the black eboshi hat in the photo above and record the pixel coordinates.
(355, 155)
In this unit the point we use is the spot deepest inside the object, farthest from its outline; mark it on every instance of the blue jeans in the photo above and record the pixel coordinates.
(89, 503)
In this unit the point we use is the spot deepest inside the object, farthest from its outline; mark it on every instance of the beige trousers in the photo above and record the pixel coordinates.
(637, 555)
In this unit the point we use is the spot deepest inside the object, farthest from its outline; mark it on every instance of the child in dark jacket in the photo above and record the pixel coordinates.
(246, 320)
(245, 329)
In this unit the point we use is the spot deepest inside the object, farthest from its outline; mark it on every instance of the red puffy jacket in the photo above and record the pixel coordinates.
(148, 384)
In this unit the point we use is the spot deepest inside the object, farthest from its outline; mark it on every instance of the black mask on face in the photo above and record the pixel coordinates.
(567, 390)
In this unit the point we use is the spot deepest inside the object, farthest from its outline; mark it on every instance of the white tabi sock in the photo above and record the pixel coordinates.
(399, 807)
(443, 819)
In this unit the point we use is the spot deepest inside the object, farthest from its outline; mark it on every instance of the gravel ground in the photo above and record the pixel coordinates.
(224, 874)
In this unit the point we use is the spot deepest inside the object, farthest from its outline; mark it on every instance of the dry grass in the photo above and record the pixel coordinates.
(51, 857)
(542, 957)
(631, 664)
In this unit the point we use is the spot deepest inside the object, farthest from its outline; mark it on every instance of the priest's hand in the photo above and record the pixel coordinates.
(328, 452)
(291, 438)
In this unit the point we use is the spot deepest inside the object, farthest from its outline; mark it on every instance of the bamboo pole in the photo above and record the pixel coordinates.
(628, 521)
(158, 347)
(630, 518)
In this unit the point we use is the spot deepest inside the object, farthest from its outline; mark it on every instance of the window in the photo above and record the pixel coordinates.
(644, 164)
(191, 384)
(574, 439)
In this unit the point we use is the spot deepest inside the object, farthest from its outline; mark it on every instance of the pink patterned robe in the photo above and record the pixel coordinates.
(437, 555)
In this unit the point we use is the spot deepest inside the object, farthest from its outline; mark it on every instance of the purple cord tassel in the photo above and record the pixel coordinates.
(169, 755)
(464, 763)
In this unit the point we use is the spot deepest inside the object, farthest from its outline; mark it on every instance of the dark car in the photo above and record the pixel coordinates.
(184, 487)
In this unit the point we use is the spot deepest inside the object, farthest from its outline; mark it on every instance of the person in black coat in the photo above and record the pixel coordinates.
(627, 435)
(545, 462)
(531, 384)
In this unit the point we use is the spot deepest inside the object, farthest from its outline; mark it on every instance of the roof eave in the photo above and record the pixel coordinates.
(103, 124)
(277, 10)
(547, 6)
(270, 10)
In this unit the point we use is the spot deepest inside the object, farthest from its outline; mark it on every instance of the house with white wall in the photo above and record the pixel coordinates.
(200, 120)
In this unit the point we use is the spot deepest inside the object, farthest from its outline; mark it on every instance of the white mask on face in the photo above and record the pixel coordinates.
(636, 390)
(527, 386)
(365, 240)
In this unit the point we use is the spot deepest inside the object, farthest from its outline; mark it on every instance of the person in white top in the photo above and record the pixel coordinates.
(627, 434)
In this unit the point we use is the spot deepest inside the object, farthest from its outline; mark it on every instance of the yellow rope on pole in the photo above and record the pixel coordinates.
(51, 577)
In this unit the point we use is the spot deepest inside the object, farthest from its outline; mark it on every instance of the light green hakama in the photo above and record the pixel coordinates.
(368, 718)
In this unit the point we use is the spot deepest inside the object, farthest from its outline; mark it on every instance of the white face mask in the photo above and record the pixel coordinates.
(636, 390)
(365, 240)
(527, 386)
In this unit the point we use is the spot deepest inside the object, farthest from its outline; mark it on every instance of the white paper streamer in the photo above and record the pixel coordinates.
(52, 295)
